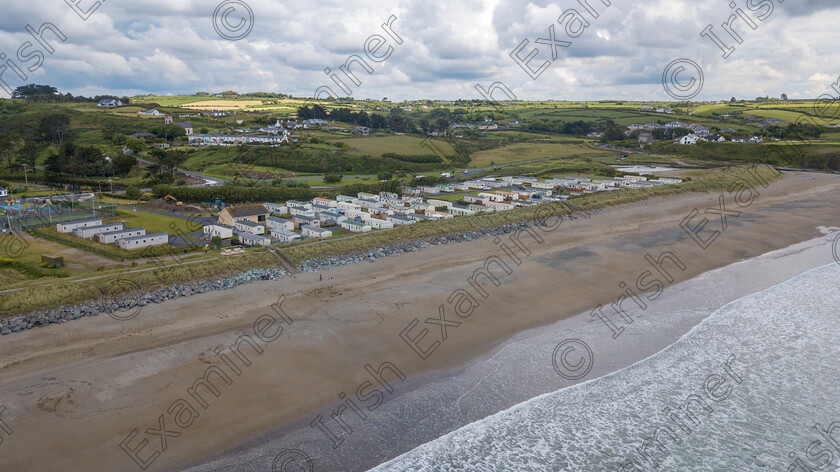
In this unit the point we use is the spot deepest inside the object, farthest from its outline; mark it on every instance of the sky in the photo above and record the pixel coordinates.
(433, 50)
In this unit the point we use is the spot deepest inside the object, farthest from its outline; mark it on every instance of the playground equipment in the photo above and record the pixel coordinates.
(216, 205)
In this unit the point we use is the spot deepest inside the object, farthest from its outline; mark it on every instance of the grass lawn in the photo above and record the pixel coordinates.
(529, 151)
(153, 222)
(407, 145)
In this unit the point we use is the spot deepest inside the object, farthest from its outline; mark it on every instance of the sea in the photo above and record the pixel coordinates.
(754, 386)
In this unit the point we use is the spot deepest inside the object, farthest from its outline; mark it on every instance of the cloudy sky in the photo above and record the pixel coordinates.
(179, 46)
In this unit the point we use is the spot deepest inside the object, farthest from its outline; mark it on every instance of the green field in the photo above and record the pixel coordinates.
(530, 151)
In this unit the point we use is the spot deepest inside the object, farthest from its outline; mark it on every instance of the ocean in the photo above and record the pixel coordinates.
(754, 386)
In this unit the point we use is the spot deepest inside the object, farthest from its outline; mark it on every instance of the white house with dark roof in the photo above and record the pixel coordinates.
(109, 103)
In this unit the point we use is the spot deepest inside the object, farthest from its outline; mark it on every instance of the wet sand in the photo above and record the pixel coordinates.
(74, 392)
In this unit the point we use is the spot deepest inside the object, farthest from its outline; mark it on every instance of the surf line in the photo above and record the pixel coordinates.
(547, 218)
(715, 388)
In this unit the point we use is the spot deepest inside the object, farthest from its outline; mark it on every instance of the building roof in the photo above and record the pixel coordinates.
(255, 237)
(315, 229)
(145, 236)
(80, 221)
(283, 232)
(277, 220)
(355, 223)
(184, 124)
(124, 230)
(106, 225)
(244, 211)
(249, 224)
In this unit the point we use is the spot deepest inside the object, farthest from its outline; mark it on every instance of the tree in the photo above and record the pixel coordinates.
(784, 97)
(52, 127)
(123, 164)
(133, 192)
(732, 100)
(332, 179)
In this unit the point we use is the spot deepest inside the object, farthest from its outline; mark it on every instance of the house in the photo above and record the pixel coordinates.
(500, 206)
(645, 138)
(400, 220)
(284, 236)
(376, 223)
(300, 211)
(88, 232)
(355, 226)
(272, 222)
(69, 226)
(152, 112)
(147, 240)
(458, 210)
(212, 231)
(187, 127)
(114, 236)
(307, 220)
(361, 130)
(3, 192)
(162, 146)
(324, 202)
(595, 134)
(309, 231)
(109, 103)
(278, 208)
(251, 240)
(439, 215)
(245, 226)
(439, 203)
(688, 139)
(255, 213)
(756, 139)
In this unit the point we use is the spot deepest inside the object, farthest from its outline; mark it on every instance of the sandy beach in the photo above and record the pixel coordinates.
(74, 393)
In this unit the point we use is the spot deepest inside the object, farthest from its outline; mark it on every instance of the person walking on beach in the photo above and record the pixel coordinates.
(321, 277)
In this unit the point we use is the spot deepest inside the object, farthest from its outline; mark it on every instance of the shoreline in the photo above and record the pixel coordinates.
(502, 365)
(103, 379)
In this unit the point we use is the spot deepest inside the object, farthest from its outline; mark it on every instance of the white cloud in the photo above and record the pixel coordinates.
(164, 46)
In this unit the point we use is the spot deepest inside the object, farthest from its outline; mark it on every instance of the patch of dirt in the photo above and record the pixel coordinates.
(160, 204)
